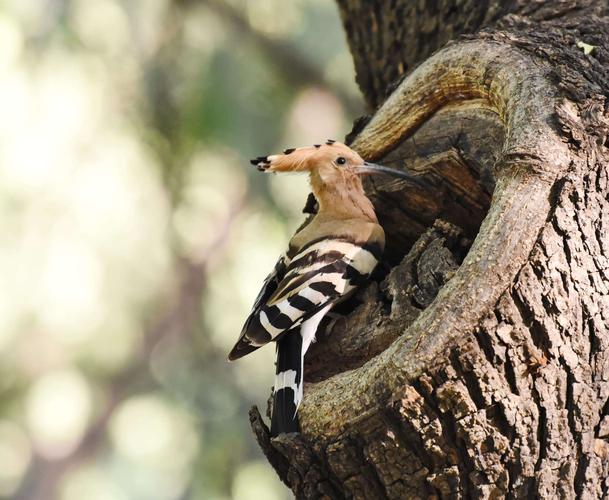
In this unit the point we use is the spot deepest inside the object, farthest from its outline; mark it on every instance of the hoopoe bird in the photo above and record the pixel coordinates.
(325, 262)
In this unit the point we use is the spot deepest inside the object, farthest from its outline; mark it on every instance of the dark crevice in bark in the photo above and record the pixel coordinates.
(510, 374)
(496, 415)
(386, 301)
(470, 379)
(595, 345)
(482, 338)
(549, 306)
(369, 471)
(536, 329)
(604, 412)
(332, 478)
(571, 409)
(605, 489)
(465, 464)
(542, 433)
(514, 470)
(580, 475)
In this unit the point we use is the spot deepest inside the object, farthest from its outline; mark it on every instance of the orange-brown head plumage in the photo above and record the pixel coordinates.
(334, 171)
(310, 159)
(333, 168)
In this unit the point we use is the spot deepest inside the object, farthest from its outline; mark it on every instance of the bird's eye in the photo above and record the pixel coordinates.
(341, 160)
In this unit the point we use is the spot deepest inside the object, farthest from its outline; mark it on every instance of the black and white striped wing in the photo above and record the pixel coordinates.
(322, 273)
(245, 345)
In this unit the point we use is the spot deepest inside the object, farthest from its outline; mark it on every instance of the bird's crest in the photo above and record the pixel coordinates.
(306, 158)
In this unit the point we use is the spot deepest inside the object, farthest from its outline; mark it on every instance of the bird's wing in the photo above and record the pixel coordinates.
(320, 274)
(244, 345)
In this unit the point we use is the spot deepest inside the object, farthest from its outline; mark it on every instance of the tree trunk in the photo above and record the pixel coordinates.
(477, 363)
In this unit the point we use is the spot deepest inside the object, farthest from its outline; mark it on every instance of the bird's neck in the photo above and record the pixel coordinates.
(344, 201)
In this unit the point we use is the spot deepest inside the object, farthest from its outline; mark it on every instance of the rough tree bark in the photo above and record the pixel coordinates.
(476, 365)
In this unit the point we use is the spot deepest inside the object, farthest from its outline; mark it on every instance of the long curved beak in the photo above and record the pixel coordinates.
(373, 168)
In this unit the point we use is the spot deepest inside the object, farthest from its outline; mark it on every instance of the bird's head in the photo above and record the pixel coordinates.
(329, 164)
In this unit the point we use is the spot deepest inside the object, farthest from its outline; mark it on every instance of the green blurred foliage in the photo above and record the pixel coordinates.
(134, 237)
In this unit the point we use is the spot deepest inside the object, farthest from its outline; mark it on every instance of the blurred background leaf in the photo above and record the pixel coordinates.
(134, 237)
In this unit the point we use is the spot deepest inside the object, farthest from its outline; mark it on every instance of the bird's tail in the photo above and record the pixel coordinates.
(287, 392)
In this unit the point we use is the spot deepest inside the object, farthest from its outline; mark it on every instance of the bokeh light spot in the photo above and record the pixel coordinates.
(58, 408)
(254, 481)
(147, 430)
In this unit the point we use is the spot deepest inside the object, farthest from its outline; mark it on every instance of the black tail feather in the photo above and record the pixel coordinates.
(289, 367)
